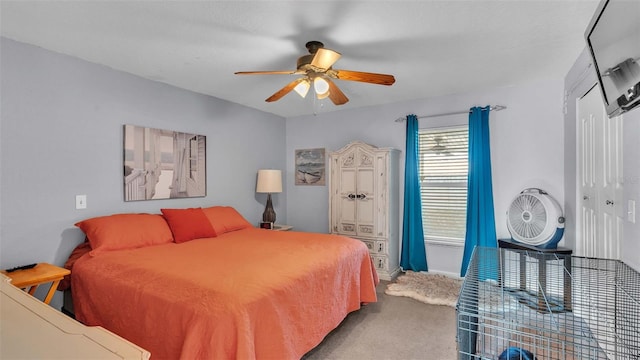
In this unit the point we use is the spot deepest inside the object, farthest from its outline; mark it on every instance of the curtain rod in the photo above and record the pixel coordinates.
(491, 108)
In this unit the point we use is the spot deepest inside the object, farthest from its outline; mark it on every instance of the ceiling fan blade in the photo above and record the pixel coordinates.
(284, 91)
(286, 72)
(325, 58)
(335, 94)
(373, 78)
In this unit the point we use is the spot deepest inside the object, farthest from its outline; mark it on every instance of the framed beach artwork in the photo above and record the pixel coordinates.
(310, 167)
(163, 164)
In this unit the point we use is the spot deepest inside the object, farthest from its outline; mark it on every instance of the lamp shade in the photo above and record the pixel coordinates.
(302, 88)
(321, 87)
(269, 181)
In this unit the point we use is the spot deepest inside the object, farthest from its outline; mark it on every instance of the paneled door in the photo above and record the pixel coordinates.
(365, 194)
(345, 205)
(600, 179)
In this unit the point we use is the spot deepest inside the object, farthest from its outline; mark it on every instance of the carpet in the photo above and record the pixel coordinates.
(434, 289)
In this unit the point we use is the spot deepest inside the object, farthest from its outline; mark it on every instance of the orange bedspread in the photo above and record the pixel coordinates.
(248, 294)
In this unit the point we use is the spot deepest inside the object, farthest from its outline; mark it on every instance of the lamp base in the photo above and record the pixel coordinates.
(269, 215)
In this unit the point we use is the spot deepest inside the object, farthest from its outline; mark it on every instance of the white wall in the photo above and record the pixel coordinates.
(61, 135)
(526, 145)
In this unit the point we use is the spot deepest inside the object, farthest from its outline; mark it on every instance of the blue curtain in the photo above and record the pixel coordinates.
(481, 223)
(413, 255)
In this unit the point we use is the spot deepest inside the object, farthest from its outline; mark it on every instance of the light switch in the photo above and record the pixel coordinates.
(631, 211)
(81, 201)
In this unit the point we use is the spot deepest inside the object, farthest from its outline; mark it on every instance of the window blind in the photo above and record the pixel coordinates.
(443, 170)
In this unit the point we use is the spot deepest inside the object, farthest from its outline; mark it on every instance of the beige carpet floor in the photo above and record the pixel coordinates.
(393, 328)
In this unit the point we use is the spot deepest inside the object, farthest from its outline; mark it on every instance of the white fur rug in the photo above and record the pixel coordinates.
(434, 289)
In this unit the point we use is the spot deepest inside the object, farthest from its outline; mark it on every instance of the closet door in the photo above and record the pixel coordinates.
(611, 200)
(599, 179)
(587, 165)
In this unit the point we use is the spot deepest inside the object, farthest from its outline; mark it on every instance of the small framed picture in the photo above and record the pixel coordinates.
(310, 167)
(266, 225)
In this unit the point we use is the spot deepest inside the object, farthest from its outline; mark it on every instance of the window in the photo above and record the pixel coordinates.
(193, 157)
(443, 169)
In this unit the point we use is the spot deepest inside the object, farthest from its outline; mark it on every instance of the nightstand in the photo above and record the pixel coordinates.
(281, 227)
(38, 275)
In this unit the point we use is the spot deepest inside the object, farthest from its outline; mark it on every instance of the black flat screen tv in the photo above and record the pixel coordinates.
(613, 38)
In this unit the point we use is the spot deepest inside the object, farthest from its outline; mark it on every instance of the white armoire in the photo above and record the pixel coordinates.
(363, 201)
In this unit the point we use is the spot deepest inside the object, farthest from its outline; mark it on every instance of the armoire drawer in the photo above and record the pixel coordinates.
(376, 247)
(371, 245)
(380, 262)
(380, 247)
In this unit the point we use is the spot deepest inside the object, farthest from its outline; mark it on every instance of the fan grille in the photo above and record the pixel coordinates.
(527, 216)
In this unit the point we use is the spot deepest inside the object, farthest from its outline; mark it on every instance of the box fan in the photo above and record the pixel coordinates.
(535, 218)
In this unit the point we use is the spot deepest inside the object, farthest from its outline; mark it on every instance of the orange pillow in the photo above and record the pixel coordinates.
(225, 219)
(188, 224)
(125, 231)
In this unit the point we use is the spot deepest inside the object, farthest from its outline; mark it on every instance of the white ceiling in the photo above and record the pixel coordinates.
(431, 47)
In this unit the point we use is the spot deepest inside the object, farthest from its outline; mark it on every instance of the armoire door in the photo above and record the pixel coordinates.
(365, 195)
(599, 178)
(356, 193)
(346, 194)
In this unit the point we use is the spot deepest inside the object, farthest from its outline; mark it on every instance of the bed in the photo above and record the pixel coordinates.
(243, 293)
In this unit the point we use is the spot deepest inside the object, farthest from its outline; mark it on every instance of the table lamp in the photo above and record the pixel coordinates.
(269, 181)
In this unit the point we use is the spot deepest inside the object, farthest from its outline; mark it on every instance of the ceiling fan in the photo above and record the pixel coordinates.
(316, 68)
(439, 148)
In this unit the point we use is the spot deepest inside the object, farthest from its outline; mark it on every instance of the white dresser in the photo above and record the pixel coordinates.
(363, 201)
(31, 329)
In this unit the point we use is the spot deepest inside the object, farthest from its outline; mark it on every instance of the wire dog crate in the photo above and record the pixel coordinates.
(571, 308)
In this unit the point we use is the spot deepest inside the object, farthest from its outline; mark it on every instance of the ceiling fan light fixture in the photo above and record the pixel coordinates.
(317, 68)
(302, 88)
(322, 96)
(325, 58)
(321, 87)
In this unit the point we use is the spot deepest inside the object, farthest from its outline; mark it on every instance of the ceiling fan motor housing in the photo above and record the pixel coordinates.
(535, 218)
